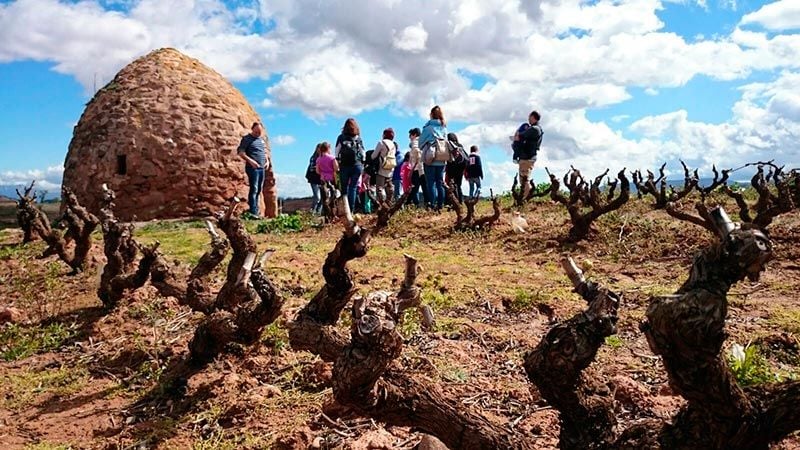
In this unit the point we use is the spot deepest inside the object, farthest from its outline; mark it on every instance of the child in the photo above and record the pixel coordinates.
(474, 172)
(405, 172)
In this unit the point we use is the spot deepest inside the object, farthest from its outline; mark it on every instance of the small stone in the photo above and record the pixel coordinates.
(10, 314)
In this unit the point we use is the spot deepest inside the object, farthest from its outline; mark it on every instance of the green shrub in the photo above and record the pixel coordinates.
(284, 223)
(749, 366)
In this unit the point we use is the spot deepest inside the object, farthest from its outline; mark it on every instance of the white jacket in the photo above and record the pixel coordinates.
(382, 149)
(415, 157)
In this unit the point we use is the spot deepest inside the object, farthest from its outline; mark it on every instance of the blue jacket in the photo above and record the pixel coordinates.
(398, 157)
(430, 132)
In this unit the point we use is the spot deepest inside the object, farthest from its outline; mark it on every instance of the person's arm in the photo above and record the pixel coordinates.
(480, 167)
(242, 152)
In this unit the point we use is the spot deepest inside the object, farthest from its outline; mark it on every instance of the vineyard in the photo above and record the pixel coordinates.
(602, 312)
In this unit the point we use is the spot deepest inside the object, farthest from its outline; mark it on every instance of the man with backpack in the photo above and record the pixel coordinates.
(527, 141)
(385, 155)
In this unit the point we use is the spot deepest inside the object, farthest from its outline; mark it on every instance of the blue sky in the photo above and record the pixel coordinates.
(620, 83)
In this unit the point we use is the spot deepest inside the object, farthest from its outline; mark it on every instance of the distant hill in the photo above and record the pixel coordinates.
(9, 191)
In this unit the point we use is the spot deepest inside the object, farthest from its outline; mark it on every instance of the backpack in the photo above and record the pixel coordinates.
(436, 151)
(351, 151)
(311, 172)
(457, 152)
(389, 161)
(371, 165)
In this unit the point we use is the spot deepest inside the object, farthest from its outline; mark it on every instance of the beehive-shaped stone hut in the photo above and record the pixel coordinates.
(163, 135)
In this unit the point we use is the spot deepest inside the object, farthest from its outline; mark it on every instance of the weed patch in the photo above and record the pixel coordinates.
(21, 390)
(17, 342)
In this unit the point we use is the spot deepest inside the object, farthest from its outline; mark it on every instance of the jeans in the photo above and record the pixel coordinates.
(434, 179)
(255, 177)
(398, 187)
(316, 201)
(474, 187)
(350, 177)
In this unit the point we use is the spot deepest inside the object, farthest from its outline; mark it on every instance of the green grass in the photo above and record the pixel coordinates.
(275, 337)
(21, 389)
(787, 320)
(525, 300)
(750, 367)
(185, 241)
(17, 342)
(615, 341)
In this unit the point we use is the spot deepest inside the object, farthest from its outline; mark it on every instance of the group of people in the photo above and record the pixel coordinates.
(433, 159)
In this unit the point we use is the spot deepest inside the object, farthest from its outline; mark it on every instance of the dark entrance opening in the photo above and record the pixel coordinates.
(122, 165)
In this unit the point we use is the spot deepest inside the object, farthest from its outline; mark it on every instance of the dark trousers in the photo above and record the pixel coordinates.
(417, 185)
(350, 177)
(455, 173)
(255, 177)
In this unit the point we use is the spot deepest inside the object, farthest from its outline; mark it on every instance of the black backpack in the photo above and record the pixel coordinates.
(459, 155)
(351, 151)
(311, 172)
(372, 165)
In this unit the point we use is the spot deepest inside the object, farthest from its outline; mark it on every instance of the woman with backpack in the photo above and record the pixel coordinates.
(455, 167)
(435, 154)
(312, 176)
(350, 156)
(386, 155)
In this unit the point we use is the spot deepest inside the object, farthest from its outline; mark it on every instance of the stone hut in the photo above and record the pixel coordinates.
(163, 135)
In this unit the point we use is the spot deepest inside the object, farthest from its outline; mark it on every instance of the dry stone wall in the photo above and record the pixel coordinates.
(163, 135)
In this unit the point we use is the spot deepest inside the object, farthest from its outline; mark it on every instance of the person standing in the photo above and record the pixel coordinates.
(417, 168)
(527, 141)
(326, 166)
(405, 174)
(435, 155)
(313, 178)
(253, 151)
(455, 167)
(350, 156)
(386, 155)
(474, 172)
(397, 177)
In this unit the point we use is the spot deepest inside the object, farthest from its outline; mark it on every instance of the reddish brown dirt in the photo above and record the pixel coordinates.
(495, 295)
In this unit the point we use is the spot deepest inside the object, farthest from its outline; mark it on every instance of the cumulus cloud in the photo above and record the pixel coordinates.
(412, 38)
(283, 139)
(563, 57)
(48, 179)
(292, 186)
(777, 16)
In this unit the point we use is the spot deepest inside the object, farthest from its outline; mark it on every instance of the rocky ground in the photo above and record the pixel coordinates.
(75, 376)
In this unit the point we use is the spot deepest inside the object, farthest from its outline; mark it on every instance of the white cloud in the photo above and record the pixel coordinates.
(411, 39)
(563, 57)
(292, 186)
(48, 179)
(778, 16)
(283, 139)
